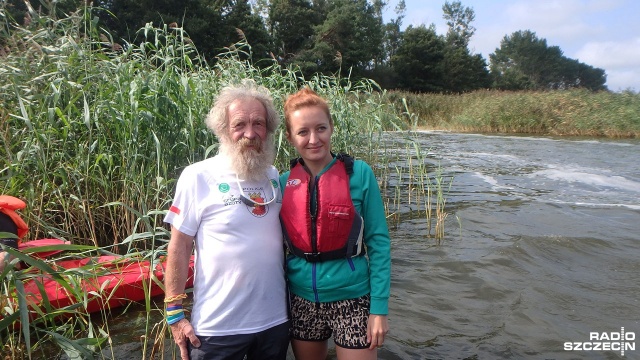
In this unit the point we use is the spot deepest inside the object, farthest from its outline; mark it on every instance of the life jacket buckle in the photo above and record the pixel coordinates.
(313, 257)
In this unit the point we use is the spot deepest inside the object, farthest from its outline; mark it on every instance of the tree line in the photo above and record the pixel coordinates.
(338, 37)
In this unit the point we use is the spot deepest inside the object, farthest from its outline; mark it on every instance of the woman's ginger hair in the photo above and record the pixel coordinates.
(305, 97)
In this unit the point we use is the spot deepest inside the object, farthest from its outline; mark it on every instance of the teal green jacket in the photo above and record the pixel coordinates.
(344, 279)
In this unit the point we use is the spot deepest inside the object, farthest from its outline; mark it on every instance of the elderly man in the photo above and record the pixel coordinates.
(229, 205)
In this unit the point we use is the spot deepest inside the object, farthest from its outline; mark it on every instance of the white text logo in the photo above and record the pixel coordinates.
(611, 341)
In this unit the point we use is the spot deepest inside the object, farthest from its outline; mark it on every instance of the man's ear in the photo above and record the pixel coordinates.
(288, 136)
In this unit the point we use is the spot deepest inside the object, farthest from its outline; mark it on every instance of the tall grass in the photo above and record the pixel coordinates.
(565, 113)
(94, 136)
(88, 128)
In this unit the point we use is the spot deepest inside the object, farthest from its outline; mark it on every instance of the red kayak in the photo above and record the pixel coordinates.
(101, 282)
(117, 281)
(40, 245)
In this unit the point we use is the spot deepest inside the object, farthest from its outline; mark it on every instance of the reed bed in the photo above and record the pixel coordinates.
(93, 139)
(415, 187)
(94, 136)
(561, 113)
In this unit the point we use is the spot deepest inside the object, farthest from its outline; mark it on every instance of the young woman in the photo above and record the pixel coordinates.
(339, 260)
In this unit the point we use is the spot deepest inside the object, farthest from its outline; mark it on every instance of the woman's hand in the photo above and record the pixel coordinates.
(377, 329)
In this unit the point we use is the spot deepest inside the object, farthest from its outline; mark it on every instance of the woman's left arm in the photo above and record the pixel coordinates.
(376, 237)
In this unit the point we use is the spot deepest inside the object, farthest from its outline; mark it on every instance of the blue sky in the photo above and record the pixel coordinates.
(601, 33)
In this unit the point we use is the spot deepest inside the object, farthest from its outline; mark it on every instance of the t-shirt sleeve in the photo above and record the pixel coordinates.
(182, 213)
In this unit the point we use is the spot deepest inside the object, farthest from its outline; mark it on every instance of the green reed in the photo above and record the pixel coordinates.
(416, 188)
(92, 127)
(94, 136)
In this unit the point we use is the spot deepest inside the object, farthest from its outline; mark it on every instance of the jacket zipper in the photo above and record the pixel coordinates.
(314, 238)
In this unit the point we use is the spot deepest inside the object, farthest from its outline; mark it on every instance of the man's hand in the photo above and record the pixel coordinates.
(182, 330)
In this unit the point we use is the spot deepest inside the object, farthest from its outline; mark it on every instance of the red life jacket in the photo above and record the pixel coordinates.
(8, 205)
(334, 231)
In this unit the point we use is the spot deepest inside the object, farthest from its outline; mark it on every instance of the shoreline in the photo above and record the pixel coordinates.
(522, 134)
(566, 113)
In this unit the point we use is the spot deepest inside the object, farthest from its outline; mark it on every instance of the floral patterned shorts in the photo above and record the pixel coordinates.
(346, 320)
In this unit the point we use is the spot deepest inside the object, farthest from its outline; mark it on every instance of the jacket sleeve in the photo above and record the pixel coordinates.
(376, 238)
(283, 181)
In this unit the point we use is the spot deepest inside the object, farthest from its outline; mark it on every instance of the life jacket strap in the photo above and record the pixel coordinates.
(294, 162)
(323, 256)
(347, 160)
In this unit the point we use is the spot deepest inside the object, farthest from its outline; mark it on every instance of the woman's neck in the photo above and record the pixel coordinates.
(315, 167)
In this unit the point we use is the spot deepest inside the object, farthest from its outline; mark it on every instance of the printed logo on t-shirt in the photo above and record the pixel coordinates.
(293, 182)
(231, 200)
(274, 183)
(224, 187)
(257, 210)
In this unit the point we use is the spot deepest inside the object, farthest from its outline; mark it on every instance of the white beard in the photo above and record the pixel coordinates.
(249, 163)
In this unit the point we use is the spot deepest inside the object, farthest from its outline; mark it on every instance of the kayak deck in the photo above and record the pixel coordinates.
(90, 284)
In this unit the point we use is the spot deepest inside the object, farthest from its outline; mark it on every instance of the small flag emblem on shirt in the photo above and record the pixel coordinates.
(174, 209)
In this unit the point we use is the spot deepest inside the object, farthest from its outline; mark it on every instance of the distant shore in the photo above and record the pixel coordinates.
(554, 113)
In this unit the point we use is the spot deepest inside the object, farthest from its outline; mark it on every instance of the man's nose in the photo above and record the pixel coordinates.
(249, 132)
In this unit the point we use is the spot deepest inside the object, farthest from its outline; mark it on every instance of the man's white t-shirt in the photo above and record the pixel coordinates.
(239, 285)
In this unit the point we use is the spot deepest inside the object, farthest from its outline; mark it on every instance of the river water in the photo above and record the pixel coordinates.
(541, 248)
